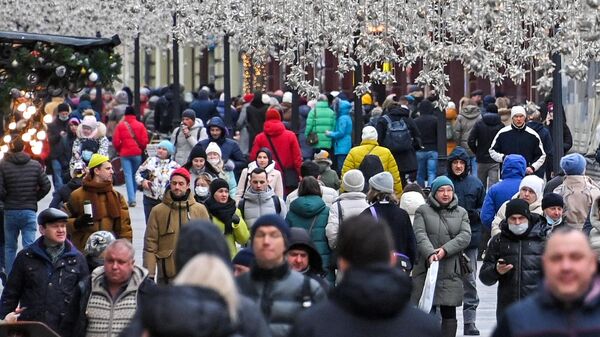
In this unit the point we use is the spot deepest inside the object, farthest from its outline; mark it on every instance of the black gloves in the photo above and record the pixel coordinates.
(84, 221)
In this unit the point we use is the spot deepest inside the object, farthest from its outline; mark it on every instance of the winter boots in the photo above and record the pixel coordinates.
(449, 327)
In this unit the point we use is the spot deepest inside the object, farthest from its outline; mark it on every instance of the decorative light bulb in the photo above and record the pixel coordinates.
(48, 119)
(31, 131)
(26, 137)
(12, 125)
(7, 138)
(4, 148)
(37, 150)
(22, 107)
(26, 115)
(41, 135)
(93, 77)
(31, 109)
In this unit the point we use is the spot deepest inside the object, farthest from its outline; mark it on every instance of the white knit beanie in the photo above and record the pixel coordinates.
(535, 183)
(370, 133)
(353, 181)
(213, 147)
(517, 110)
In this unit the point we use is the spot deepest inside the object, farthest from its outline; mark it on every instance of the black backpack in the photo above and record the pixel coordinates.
(370, 166)
(397, 137)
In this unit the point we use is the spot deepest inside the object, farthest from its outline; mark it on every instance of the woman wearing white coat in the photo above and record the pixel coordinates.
(264, 160)
(352, 202)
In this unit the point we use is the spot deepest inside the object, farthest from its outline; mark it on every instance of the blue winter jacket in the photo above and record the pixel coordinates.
(229, 148)
(513, 171)
(342, 135)
(470, 192)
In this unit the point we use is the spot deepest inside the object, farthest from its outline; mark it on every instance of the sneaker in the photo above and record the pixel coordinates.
(132, 204)
(470, 330)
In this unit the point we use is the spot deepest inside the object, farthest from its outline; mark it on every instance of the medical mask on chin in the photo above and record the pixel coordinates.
(518, 229)
(214, 162)
(201, 191)
(552, 222)
(63, 118)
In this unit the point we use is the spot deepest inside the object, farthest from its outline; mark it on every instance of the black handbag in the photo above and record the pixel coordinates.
(465, 266)
(313, 138)
(289, 175)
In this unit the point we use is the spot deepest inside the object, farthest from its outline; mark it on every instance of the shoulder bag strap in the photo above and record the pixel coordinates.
(275, 152)
(132, 133)
(312, 224)
(340, 217)
(374, 212)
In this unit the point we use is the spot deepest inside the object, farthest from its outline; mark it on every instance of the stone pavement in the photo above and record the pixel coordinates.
(486, 313)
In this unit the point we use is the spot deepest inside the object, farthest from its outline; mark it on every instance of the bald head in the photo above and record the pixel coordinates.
(569, 264)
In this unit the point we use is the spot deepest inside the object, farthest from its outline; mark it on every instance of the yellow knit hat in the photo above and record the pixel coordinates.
(97, 160)
(367, 99)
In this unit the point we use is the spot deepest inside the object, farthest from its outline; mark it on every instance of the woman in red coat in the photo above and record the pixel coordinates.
(130, 139)
(285, 149)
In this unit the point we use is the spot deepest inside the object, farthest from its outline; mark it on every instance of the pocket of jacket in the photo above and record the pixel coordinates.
(166, 263)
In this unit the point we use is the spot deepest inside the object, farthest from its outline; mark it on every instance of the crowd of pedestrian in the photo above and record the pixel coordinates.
(253, 229)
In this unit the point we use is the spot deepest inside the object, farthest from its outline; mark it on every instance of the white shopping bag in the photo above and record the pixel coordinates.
(426, 300)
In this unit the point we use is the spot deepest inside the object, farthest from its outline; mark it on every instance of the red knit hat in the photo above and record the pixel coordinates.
(181, 172)
(248, 97)
(273, 114)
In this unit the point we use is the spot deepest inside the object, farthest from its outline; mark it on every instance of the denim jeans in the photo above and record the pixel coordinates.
(471, 299)
(130, 166)
(488, 173)
(339, 163)
(473, 163)
(57, 174)
(426, 167)
(15, 221)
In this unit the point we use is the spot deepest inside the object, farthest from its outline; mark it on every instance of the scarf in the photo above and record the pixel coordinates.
(54, 252)
(112, 207)
(223, 212)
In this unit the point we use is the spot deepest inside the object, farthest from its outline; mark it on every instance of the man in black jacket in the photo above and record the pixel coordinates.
(23, 183)
(568, 303)
(470, 193)
(513, 257)
(518, 138)
(406, 160)
(57, 130)
(427, 156)
(45, 277)
(480, 139)
(373, 296)
(303, 257)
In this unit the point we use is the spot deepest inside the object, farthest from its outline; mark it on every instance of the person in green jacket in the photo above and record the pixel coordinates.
(225, 215)
(310, 212)
(321, 119)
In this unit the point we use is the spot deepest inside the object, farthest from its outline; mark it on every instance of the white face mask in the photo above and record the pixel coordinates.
(214, 162)
(552, 222)
(201, 191)
(518, 229)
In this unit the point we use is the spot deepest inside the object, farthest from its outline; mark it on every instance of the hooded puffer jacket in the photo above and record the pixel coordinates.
(123, 141)
(369, 301)
(183, 145)
(342, 136)
(482, 135)
(470, 192)
(273, 175)
(23, 182)
(162, 232)
(350, 204)
(321, 119)
(257, 204)
(410, 201)
(286, 144)
(465, 122)
(229, 148)
(513, 172)
(446, 227)
(97, 143)
(309, 212)
(524, 252)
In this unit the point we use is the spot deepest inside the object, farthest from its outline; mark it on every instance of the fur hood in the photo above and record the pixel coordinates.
(98, 133)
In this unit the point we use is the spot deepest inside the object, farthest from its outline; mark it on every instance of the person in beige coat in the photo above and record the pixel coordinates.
(442, 231)
(164, 224)
(531, 190)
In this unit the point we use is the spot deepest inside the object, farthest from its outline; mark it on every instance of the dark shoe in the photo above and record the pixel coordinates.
(449, 327)
(132, 204)
(470, 330)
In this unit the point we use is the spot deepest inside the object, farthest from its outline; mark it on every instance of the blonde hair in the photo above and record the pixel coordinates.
(209, 271)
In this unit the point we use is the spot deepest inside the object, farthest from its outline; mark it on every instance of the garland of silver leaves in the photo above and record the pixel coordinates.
(493, 39)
